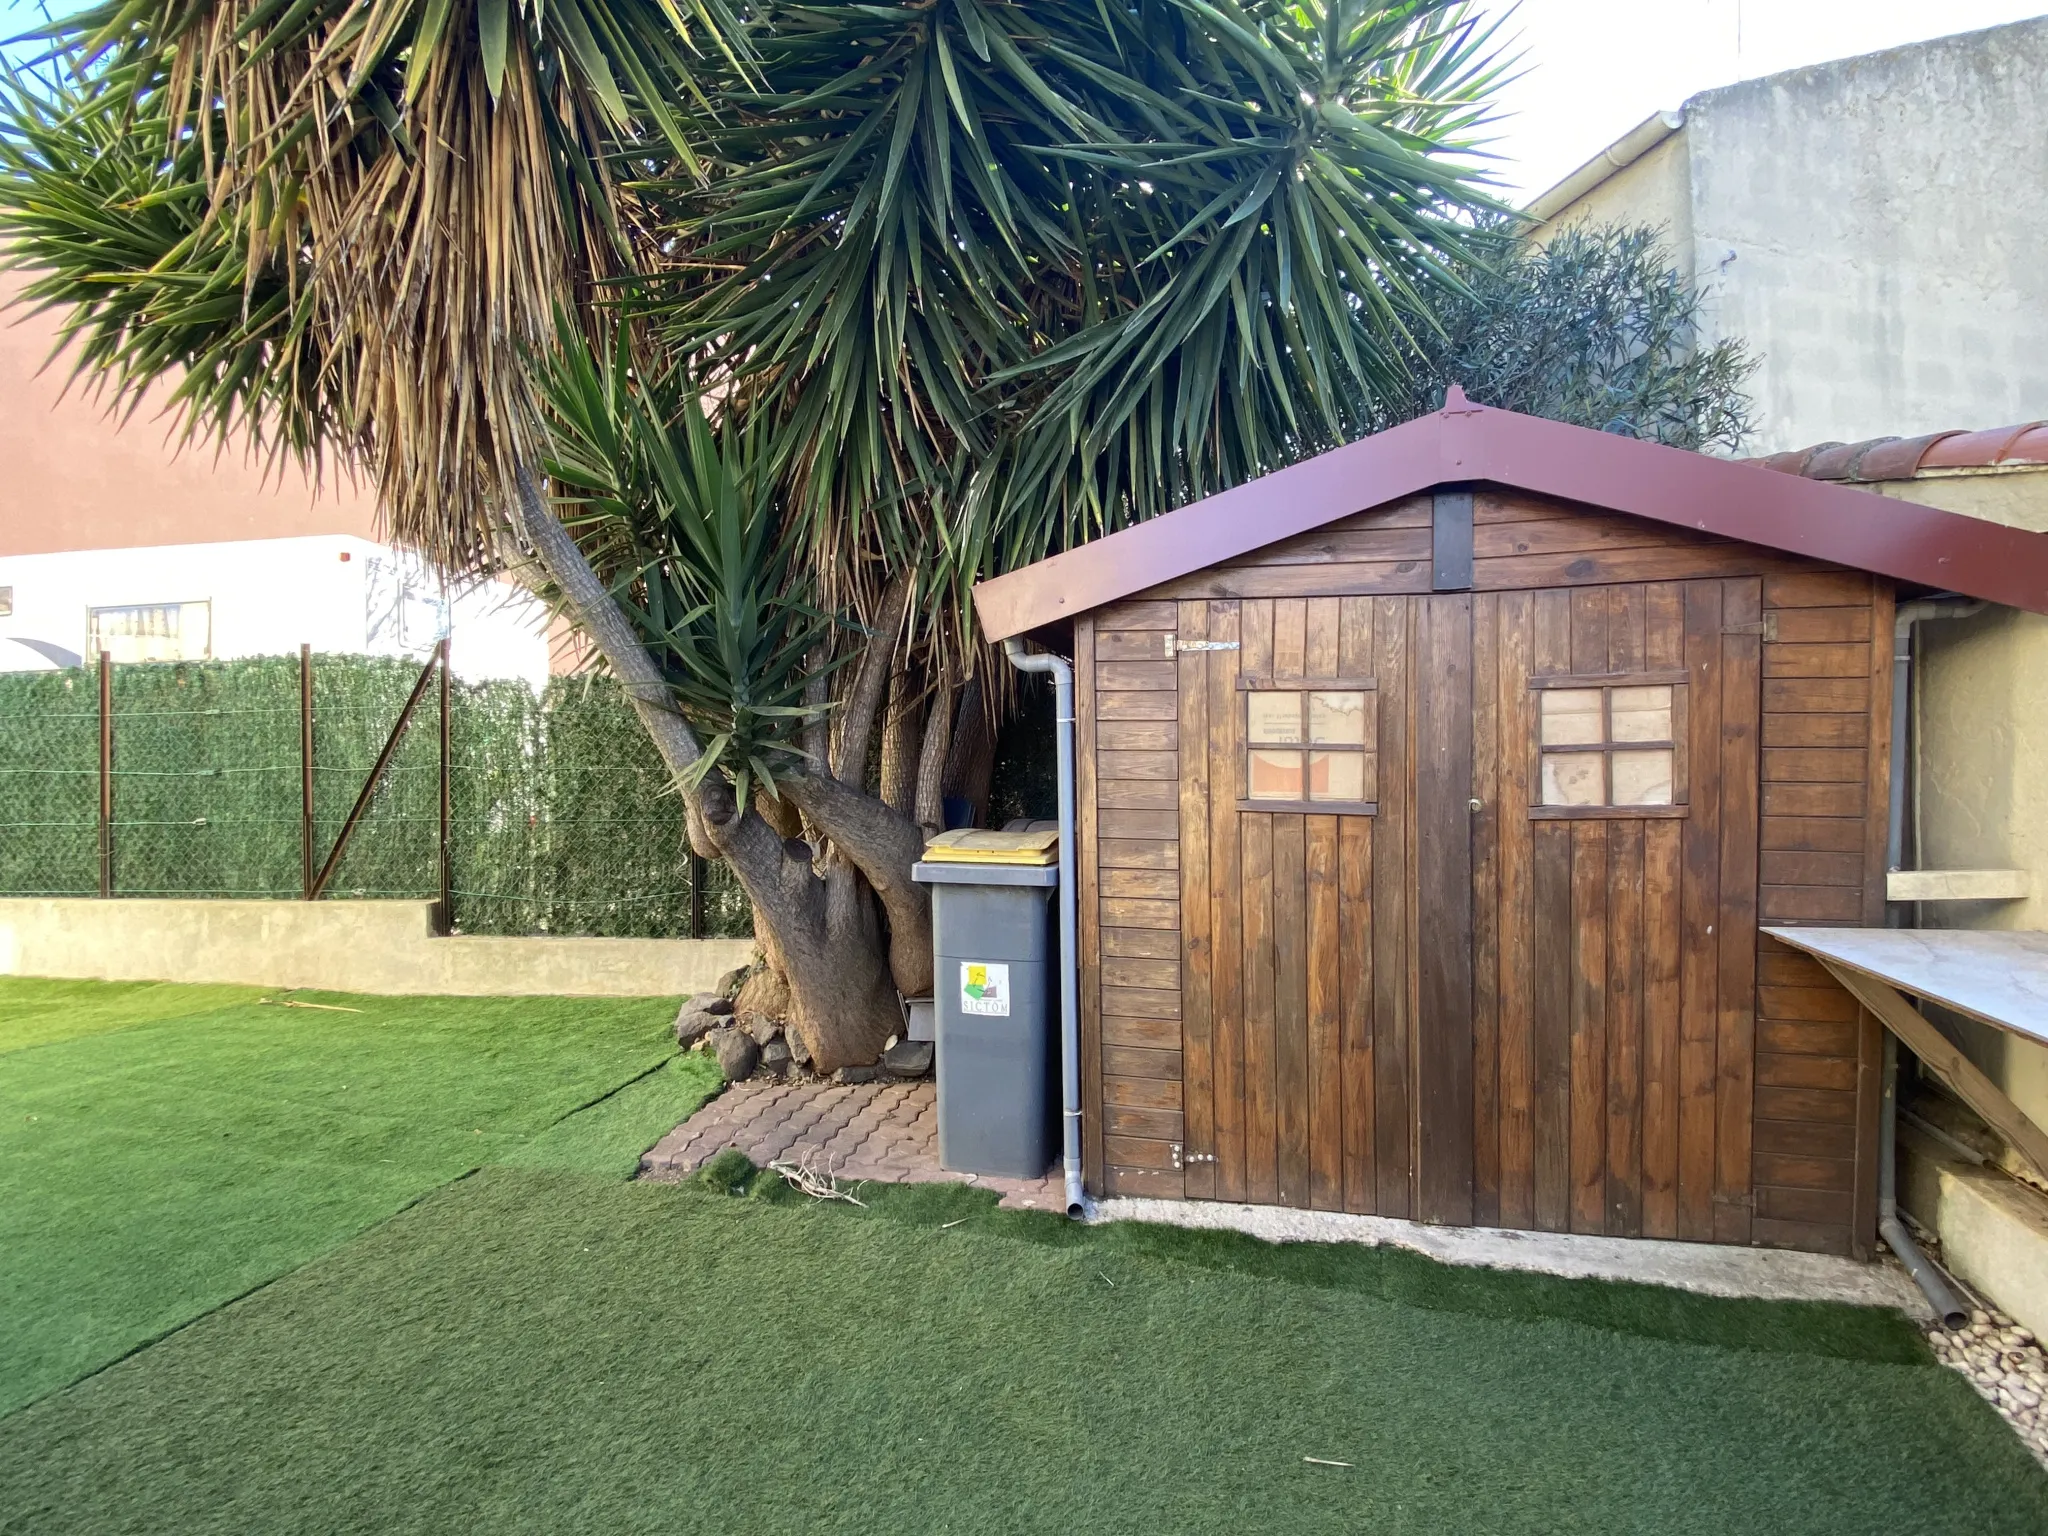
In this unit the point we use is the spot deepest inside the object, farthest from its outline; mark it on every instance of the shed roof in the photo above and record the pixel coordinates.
(1468, 444)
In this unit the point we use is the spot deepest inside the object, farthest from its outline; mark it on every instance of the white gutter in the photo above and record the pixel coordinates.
(1618, 156)
(1070, 912)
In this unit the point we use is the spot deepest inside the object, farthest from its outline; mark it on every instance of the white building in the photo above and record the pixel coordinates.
(110, 540)
(261, 597)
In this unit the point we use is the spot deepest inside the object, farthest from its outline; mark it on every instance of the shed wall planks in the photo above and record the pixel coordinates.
(1610, 1047)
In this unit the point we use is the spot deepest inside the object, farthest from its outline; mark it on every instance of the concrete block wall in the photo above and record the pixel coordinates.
(339, 946)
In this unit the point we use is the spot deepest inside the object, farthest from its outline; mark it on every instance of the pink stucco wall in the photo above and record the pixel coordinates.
(71, 478)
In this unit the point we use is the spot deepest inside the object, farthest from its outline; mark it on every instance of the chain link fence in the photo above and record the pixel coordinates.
(561, 817)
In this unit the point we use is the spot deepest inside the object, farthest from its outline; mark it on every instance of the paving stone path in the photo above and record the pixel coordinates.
(888, 1132)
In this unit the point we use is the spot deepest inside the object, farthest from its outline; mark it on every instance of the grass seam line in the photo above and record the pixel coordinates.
(609, 1093)
(240, 1296)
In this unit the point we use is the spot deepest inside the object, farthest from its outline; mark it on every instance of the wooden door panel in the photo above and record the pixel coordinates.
(1622, 961)
(1280, 1015)
(1464, 1016)
(1443, 869)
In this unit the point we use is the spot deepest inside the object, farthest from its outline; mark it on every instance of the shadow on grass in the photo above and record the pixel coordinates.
(1827, 1329)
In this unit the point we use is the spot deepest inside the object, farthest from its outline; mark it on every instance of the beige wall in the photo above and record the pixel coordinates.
(340, 946)
(1655, 189)
(1982, 758)
(77, 480)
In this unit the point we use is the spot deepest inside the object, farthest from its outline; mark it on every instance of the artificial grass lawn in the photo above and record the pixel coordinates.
(544, 1346)
(546, 1350)
(165, 1148)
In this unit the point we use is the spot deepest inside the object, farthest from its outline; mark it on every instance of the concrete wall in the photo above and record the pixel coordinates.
(1994, 1233)
(1983, 800)
(1980, 759)
(339, 946)
(1873, 229)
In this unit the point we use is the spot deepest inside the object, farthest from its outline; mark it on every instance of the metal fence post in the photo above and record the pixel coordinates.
(106, 774)
(447, 911)
(696, 894)
(369, 789)
(306, 772)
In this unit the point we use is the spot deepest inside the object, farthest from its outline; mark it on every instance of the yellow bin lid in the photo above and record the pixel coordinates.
(969, 845)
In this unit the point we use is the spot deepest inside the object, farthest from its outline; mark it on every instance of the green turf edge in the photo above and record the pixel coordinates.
(607, 1137)
(1831, 1330)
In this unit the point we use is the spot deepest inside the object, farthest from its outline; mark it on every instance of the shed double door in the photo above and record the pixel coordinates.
(1409, 986)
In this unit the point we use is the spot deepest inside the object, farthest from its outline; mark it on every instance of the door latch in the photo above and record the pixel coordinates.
(1182, 1159)
(1175, 643)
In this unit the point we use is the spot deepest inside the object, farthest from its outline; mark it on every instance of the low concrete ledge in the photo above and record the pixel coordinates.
(339, 946)
(1993, 1229)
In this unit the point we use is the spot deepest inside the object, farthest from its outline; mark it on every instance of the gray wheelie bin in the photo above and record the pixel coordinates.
(994, 951)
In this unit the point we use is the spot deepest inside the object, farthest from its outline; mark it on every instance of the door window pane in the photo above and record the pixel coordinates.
(1274, 776)
(1337, 718)
(1571, 717)
(1273, 717)
(1574, 778)
(1642, 778)
(1336, 776)
(1641, 714)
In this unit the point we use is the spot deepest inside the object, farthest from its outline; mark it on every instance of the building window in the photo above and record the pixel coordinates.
(1309, 749)
(405, 605)
(152, 632)
(1608, 744)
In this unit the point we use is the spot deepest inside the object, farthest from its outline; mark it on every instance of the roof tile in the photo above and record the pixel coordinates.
(1981, 450)
(1902, 458)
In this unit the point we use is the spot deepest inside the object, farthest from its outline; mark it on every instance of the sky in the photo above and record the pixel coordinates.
(1593, 69)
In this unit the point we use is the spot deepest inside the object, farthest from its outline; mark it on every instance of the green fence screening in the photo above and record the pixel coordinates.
(561, 815)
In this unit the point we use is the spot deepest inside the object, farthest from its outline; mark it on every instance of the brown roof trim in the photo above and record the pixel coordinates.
(1464, 442)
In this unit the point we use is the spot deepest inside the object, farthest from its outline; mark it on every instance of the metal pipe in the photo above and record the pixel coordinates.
(1952, 1312)
(1909, 614)
(1070, 910)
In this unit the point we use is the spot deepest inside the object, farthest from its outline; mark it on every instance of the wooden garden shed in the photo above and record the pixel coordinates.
(1431, 794)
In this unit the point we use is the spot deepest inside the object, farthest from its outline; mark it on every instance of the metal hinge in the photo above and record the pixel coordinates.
(1767, 626)
(1175, 643)
(1182, 1159)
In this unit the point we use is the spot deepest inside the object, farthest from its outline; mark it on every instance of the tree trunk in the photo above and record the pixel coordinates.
(855, 725)
(971, 763)
(902, 728)
(882, 844)
(823, 931)
(931, 762)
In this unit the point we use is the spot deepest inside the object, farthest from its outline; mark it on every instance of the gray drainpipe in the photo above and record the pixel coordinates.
(1952, 1312)
(1070, 909)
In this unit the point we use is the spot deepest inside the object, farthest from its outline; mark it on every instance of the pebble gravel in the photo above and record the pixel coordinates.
(2004, 1362)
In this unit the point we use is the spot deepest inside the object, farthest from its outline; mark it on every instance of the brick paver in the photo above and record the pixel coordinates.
(888, 1132)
